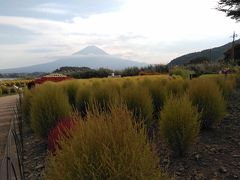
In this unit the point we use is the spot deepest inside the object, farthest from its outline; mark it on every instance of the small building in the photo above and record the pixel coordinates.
(54, 77)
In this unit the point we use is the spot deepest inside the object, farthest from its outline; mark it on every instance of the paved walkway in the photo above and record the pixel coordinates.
(7, 103)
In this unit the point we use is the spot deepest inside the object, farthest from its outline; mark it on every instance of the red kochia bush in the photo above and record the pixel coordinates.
(61, 130)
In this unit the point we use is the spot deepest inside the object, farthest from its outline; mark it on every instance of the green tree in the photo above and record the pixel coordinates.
(230, 7)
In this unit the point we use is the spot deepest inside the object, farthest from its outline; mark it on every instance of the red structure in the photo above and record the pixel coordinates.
(51, 77)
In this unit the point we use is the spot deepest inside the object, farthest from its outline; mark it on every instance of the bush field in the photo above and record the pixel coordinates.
(116, 113)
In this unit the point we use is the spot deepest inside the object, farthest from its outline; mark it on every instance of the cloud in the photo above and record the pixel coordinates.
(147, 30)
(50, 8)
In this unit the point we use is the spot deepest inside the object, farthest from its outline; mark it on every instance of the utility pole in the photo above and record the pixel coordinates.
(233, 45)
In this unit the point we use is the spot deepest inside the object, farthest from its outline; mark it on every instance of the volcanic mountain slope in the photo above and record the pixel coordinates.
(91, 56)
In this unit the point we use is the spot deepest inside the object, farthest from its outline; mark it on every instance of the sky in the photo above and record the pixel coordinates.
(151, 31)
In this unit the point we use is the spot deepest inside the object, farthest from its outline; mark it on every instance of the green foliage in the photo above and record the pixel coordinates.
(0, 91)
(179, 124)
(139, 101)
(71, 88)
(26, 105)
(105, 146)
(226, 85)
(103, 94)
(158, 93)
(91, 73)
(133, 71)
(83, 99)
(49, 105)
(176, 87)
(184, 73)
(207, 96)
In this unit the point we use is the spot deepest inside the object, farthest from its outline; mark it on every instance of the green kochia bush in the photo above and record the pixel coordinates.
(26, 105)
(49, 105)
(179, 124)
(226, 85)
(71, 88)
(184, 73)
(158, 93)
(103, 94)
(206, 95)
(83, 99)
(139, 101)
(176, 87)
(105, 146)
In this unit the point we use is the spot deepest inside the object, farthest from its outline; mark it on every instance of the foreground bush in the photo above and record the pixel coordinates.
(49, 105)
(179, 124)
(59, 132)
(0, 91)
(105, 146)
(206, 95)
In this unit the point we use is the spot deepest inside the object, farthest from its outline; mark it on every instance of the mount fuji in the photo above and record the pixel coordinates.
(91, 56)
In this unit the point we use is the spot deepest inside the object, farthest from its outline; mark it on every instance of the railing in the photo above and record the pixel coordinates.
(12, 162)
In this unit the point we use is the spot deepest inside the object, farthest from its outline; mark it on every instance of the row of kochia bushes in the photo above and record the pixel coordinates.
(5, 90)
(112, 120)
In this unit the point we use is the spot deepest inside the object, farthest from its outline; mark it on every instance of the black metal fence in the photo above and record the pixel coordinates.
(12, 162)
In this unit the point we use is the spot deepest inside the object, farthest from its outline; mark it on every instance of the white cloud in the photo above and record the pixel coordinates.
(147, 30)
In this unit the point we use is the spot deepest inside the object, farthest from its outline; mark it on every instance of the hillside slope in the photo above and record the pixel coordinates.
(214, 54)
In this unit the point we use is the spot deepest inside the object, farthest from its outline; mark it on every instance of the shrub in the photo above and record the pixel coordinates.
(0, 91)
(103, 94)
(12, 90)
(206, 95)
(179, 124)
(139, 101)
(226, 85)
(5, 90)
(184, 73)
(158, 93)
(105, 146)
(176, 87)
(83, 99)
(59, 132)
(26, 105)
(71, 88)
(49, 105)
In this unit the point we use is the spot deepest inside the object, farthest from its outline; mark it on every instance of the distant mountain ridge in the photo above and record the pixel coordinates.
(214, 54)
(91, 57)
